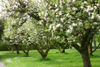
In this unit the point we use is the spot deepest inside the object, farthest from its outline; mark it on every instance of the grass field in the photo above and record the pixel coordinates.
(54, 59)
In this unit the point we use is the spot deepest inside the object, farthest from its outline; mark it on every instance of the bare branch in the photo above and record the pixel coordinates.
(96, 48)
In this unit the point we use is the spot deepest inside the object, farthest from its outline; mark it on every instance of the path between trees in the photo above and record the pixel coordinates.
(2, 64)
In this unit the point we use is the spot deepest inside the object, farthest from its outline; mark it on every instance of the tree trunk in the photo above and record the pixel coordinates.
(9, 47)
(70, 47)
(96, 48)
(84, 53)
(18, 51)
(91, 53)
(17, 48)
(63, 51)
(43, 54)
(94, 43)
(26, 52)
(90, 49)
(27, 48)
(86, 59)
(12, 48)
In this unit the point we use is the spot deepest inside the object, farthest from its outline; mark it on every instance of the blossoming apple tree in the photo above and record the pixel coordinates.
(1, 28)
(76, 20)
(80, 19)
(24, 13)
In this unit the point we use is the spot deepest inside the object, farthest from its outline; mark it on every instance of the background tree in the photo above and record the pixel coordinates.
(19, 10)
(1, 27)
(96, 39)
(77, 20)
(81, 19)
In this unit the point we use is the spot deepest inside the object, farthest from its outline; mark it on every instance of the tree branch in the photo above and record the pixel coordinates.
(96, 48)
(35, 15)
(77, 47)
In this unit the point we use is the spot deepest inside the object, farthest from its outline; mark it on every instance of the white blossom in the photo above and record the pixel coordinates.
(74, 24)
(80, 23)
(58, 25)
(81, 7)
(69, 1)
(85, 2)
(98, 16)
(15, 6)
(95, 7)
(57, 15)
(26, 0)
(98, 4)
(56, 10)
(60, 13)
(70, 27)
(88, 8)
(69, 31)
(67, 14)
(62, 19)
(50, 27)
(95, 23)
(74, 0)
(89, 13)
(55, 5)
(57, 37)
(74, 8)
(92, 17)
(54, 28)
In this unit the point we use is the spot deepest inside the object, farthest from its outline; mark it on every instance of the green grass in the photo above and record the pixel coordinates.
(54, 59)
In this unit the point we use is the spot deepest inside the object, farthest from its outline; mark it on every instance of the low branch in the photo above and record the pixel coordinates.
(35, 15)
(96, 48)
(47, 50)
(59, 48)
(77, 47)
(22, 49)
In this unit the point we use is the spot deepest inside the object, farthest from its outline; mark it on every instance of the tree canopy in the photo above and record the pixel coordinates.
(44, 22)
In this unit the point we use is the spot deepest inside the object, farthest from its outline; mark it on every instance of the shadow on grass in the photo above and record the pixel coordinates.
(26, 56)
(57, 52)
(46, 59)
(10, 55)
(96, 56)
(61, 52)
(65, 53)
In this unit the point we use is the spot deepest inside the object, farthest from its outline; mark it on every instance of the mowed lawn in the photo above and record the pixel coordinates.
(54, 59)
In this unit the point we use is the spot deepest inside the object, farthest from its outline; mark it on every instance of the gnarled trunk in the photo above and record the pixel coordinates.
(90, 49)
(17, 48)
(86, 59)
(96, 48)
(63, 50)
(43, 54)
(26, 52)
(91, 53)
(12, 48)
(84, 53)
(94, 43)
